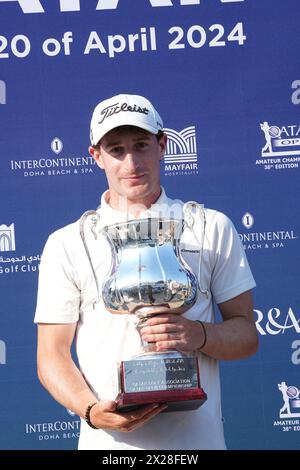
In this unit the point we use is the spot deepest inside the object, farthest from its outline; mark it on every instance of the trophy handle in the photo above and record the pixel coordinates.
(95, 219)
(192, 209)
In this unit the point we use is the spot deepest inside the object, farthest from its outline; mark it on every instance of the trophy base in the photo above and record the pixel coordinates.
(169, 377)
(177, 400)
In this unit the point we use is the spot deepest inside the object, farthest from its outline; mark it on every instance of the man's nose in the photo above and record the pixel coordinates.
(132, 160)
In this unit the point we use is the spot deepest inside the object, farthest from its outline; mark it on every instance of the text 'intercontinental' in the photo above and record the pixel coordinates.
(43, 163)
(267, 236)
(54, 167)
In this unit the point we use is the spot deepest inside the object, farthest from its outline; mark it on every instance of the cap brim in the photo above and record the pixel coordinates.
(123, 121)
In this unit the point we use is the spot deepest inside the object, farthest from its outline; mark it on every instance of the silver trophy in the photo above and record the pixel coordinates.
(147, 277)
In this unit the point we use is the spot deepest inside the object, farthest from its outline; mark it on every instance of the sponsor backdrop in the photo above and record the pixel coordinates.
(225, 76)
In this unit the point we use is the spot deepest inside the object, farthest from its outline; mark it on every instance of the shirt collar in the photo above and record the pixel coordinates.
(108, 215)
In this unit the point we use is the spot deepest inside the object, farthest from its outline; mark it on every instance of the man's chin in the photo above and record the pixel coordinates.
(137, 193)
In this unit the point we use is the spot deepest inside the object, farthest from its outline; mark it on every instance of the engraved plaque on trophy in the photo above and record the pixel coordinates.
(148, 277)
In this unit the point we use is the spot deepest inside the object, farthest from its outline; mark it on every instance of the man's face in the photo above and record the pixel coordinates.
(130, 158)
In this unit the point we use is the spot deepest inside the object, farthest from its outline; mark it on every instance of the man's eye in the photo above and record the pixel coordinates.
(116, 150)
(142, 145)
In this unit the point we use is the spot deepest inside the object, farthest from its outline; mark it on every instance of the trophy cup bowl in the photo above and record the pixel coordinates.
(148, 276)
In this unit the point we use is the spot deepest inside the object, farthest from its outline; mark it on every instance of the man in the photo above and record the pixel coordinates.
(128, 143)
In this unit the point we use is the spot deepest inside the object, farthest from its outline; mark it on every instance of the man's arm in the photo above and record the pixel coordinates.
(57, 370)
(60, 376)
(234, 338)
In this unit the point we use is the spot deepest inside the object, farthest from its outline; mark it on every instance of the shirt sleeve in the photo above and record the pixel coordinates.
(231, 274)
(58, 296)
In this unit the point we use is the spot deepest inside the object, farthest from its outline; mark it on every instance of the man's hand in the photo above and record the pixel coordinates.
(170, 331)
(234, 338)
(104, 415)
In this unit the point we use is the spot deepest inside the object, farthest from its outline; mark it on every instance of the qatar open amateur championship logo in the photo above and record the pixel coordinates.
(57, 164)
(10, 260)
(289, 412)
(267, 238)
(281, 147)
(181, 152)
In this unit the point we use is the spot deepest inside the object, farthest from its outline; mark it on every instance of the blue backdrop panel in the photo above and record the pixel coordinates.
(224, 75)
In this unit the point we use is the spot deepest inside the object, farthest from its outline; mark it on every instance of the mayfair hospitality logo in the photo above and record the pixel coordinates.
(265, 239)
(181, 152)
(59, 165)
(2, 352)
(7, 238)
(281, 147)
(2, 92)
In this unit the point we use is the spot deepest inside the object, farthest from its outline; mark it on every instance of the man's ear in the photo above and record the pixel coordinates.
(162, 146)
(95, 153)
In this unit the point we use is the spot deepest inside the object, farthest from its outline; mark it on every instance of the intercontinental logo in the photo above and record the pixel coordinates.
(55, 164)
(265, 239)
(181, 152)
(281, 146)
(54, 430)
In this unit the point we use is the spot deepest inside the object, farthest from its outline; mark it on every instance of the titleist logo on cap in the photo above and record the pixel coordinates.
(118, 108)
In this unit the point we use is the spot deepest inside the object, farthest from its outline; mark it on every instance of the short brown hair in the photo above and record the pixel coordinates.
(159, 135)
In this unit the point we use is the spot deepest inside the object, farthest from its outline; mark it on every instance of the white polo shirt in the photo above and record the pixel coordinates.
(67, 293)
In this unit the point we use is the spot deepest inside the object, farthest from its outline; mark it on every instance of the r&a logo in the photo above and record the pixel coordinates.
(277, 322)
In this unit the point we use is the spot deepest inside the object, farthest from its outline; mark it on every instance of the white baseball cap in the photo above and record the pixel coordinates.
(124, 110)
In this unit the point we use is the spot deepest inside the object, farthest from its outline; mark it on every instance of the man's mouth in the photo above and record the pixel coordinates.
(133, 177)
